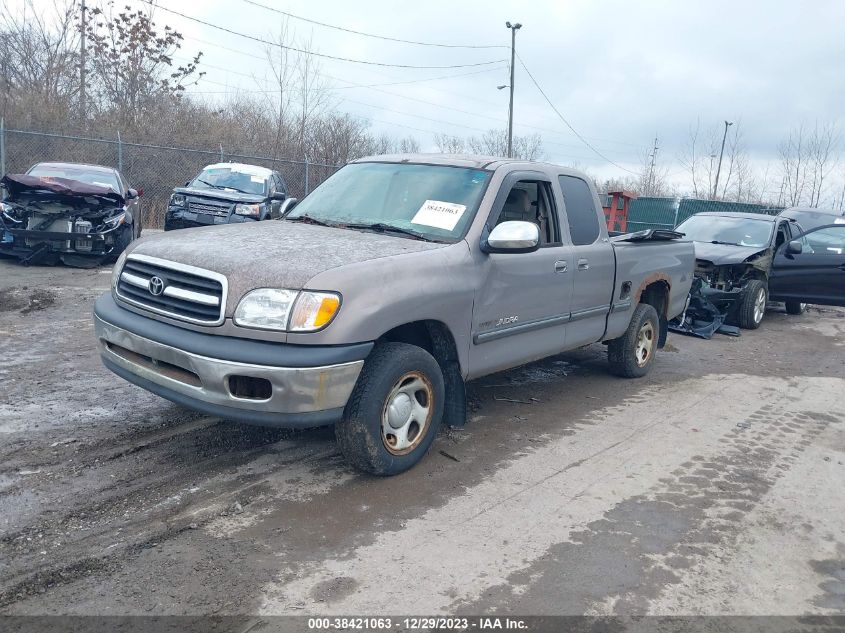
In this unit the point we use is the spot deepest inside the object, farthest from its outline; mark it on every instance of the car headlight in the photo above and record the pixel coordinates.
(287, 310)
(265, 309)
(118, 266)
(313, 311)
(251, 210)
(116, 220)
(178, 200)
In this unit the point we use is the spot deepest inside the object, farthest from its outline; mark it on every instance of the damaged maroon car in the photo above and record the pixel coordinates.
(80, 215)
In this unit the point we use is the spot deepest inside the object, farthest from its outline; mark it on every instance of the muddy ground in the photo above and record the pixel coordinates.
(714, 485)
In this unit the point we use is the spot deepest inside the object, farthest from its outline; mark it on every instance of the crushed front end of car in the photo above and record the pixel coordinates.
(49, 220)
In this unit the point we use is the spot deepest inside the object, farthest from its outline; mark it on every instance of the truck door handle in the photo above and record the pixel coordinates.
(560, 266)
(583, 264)
(842, 267)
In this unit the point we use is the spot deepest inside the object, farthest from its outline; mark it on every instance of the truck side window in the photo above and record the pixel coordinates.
(580, 210)
(531, 201)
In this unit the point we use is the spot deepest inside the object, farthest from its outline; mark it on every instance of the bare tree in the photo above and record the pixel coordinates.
(38, 59)
(807, 158)
(407, 145)
(133, 60)
(495, 143)
(283, 69)
(449, 144)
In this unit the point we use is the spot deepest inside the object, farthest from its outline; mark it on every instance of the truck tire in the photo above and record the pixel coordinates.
(632, 354)
(394, 412)
(795, 307)
(752, 306)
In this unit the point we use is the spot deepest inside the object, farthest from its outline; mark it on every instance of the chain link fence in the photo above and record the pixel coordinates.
(155, 169)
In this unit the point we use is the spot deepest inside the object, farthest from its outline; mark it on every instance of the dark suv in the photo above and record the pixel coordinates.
(226, 193)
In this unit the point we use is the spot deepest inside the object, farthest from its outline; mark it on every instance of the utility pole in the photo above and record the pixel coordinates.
(721, 154)
(514, 28)
(650, 182)
(82, 104)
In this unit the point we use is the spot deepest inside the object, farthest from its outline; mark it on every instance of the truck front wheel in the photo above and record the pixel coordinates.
(632, 354)
(395, 410)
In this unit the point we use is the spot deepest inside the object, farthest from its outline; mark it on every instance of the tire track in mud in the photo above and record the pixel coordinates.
(694, 514)
(539, 536)
(144, 486)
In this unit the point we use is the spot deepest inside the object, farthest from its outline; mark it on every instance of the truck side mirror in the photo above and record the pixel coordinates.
(513, 236)
(278, 195)
(794, 247)
(287, 206)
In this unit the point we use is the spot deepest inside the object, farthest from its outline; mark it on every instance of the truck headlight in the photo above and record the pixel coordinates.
(118, 266)
(265, 309)
(313, 311)
(178, 200)
(250, 210)
(287, 310)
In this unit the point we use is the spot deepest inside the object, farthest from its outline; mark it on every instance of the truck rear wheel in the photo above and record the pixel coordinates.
(632, 354)
(394, 412)
(753, 304)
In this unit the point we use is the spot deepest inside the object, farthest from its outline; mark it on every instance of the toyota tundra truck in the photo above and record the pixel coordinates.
(374, 301)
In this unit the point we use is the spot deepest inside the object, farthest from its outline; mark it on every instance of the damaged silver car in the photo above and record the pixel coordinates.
(80, 215)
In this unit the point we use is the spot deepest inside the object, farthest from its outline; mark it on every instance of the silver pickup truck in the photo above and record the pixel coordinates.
(382, 292)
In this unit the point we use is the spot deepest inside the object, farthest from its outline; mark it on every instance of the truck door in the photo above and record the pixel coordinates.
(522, 306)
(811, 268)
(594, 265)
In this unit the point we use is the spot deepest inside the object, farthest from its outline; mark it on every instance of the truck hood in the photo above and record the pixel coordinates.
(220, 194)
(275, 253)
(725, 254)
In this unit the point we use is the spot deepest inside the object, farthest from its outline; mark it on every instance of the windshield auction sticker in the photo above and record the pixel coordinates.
(440, 215)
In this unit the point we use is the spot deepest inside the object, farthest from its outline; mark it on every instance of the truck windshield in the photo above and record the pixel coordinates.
(434, 202)
(722, 229)
(231, 178)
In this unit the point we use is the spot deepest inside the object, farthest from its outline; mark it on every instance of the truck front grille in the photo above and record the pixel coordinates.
(206, 207)
(175, 290)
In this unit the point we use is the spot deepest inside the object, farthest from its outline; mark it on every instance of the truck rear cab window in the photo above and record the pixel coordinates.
(580, 210)
(531, 201)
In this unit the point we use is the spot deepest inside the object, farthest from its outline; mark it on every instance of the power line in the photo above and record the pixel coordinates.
(562, 118)
(354, 85)
(378, 37)
(312, 53)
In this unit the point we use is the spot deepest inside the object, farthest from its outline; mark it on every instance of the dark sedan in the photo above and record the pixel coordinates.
(78, 214)
(747, 259)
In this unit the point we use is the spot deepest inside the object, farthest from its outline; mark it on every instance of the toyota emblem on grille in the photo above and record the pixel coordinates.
(156, 286)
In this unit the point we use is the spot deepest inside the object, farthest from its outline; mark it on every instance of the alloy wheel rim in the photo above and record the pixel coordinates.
(645, 344)
(759, 305)
(407, 413)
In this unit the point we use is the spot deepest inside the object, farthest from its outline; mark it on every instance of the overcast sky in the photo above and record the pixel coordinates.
(620, 71)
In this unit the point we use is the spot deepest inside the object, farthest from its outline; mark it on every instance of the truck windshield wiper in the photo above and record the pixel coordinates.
(381, 227)
(727, 243)
(205, 182)
(307, 219)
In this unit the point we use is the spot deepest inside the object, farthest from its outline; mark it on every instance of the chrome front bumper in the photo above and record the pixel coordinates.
(300, 396)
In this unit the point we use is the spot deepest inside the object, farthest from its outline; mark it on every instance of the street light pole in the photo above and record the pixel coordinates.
(514, 28)
(721, 153)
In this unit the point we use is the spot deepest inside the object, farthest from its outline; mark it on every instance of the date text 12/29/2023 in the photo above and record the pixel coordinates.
(417, 623)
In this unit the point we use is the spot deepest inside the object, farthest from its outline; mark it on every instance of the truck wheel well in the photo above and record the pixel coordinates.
(435, 338)
(656, 294)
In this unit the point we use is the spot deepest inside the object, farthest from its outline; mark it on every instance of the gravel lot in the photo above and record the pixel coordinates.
(714, 485)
